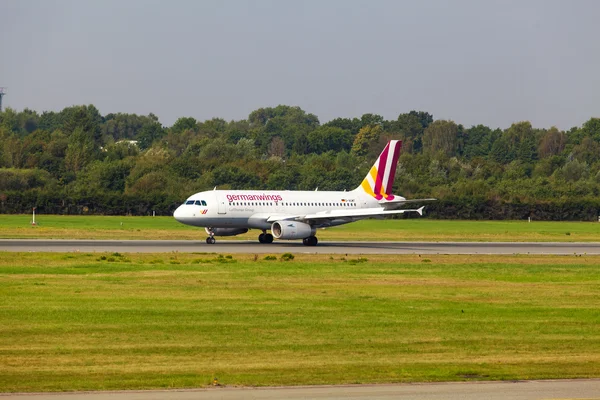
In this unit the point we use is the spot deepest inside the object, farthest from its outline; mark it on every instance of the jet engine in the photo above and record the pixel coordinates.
(289, 230)
(226, 231)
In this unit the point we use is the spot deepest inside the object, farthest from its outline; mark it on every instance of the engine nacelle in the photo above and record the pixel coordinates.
(226, 231)
(289, 230)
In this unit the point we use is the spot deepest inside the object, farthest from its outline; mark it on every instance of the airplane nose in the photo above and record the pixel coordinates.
(178, 214)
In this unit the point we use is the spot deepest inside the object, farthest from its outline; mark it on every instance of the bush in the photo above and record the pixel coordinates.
(287, 257)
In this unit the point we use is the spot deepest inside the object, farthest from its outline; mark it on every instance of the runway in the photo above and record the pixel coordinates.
(523, 390)
(236, 246)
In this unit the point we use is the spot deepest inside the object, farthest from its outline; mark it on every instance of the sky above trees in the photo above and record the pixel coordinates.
(491, 63)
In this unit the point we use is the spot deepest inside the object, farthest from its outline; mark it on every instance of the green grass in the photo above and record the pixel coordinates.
(139, 321)
(108, 227)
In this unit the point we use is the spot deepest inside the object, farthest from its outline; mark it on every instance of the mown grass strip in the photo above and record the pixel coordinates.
(113, 227)
(113, 321)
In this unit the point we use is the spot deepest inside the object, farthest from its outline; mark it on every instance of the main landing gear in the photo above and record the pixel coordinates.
(265, 237)
(310, 241)
(211, 238)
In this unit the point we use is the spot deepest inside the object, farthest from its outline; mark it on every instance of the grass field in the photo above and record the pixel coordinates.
(106, 227)
(97, 322)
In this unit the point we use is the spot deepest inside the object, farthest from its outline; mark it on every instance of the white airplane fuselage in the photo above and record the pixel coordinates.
(259, 209)
(291, 215)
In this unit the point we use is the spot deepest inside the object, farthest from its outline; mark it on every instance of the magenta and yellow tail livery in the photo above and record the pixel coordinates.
(380, 179)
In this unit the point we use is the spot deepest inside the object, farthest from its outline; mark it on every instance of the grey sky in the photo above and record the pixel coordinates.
(470, 61)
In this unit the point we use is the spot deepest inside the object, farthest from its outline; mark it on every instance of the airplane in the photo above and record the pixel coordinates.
(292, 215)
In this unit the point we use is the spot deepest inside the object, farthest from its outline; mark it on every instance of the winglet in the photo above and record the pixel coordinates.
(420, 210)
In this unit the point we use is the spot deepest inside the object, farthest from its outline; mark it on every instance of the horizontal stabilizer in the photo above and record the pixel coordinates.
(395, 204)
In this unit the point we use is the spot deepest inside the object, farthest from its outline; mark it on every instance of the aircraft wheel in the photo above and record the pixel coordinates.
(210, 240)
(310, 241)
(268, 238)
(261, 238)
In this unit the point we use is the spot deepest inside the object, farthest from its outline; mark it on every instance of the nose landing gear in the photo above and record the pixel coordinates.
(211, 238)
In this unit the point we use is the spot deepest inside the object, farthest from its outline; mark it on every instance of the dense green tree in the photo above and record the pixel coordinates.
(328, 138)
(289, 123)
(125, 126)
(64, 161)
(84, 118)
(366, 138)
(527, 151)
(590, 128)
(13, 151)
(441, 136)
(502, 152)
(183, 124)
(588, 151)
(9, 120)
(81, 150)
(25, 179)
(353, 125)
(552, 143)
(104, 176)
(149, 133)
(478, 141)
(371, 120)
(411, 127)
(234, 178)
(50, 121)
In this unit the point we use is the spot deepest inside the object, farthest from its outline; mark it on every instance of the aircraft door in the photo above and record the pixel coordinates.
(222, 204)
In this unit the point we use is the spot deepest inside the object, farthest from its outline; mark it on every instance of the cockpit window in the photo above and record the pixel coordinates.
(198, 203)
(189, 202)
(203, 203)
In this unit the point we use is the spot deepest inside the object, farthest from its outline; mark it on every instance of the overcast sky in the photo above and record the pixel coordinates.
(488, 62)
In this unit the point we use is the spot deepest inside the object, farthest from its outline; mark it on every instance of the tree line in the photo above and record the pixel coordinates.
(79, 161)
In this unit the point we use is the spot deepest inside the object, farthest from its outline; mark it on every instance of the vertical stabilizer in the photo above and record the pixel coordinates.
(380, 179)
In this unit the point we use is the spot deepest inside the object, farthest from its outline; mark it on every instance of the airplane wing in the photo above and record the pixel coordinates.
(351, 215)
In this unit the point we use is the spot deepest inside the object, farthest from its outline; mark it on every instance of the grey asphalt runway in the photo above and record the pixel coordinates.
(236, 246)
(524, 390)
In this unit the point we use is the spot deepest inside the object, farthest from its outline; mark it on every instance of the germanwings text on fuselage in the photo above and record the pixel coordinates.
(262, 197)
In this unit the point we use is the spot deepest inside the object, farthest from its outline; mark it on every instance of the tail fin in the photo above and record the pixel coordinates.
(378, 182)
